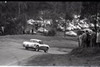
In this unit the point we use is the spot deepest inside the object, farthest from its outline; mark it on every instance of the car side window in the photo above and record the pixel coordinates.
(33, 41)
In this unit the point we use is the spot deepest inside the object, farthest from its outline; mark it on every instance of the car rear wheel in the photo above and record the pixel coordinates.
(37, 48)
(34, 49)
(26, 47)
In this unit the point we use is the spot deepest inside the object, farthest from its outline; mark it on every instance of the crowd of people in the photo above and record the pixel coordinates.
(89, 39)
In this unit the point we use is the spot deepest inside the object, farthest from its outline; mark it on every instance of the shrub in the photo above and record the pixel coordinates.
(79, 32)
(45, 33)
(51, 32)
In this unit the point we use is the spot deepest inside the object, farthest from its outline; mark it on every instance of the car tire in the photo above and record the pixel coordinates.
(26, 48)
(37, 48)
(46, 50)
(34, 49)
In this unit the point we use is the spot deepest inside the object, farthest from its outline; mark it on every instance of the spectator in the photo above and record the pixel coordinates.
(80, 40)
(98, 38)
(92, 39)
(36, 26)
(87, 38)
(84, 39)
(32, 31)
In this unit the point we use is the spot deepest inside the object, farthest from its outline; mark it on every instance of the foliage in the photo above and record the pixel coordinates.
(52, 32)
(17, 13)
(90, 8)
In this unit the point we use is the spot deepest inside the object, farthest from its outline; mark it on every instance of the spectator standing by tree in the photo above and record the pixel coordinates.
(92, 38)
(98, 38)
(84, 39)
(87, 38)
(80, 40)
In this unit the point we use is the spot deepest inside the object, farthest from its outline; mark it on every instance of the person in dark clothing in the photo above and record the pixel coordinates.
(86, 39)
(93, 39)
(36, 26)
(83, 39)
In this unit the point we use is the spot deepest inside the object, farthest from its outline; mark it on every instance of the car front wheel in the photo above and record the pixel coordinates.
(34, 49)
(26, 47)
(46, 50)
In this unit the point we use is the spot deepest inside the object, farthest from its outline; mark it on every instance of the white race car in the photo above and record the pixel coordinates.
(36, 44)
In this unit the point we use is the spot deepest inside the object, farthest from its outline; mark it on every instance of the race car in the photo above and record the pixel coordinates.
(36, 44)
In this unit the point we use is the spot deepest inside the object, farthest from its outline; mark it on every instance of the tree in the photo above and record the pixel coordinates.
(90, 10)
(21, 11)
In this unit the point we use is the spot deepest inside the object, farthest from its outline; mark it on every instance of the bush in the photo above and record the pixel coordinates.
(85, 52)
(79, 32)
(45, 33)
(52, 32)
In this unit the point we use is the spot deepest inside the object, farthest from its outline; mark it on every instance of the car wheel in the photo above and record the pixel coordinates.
(46, 50)
(37, 48)
(34, 49)
(26, 47)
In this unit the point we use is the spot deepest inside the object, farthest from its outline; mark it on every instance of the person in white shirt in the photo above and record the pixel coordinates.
(98, 38)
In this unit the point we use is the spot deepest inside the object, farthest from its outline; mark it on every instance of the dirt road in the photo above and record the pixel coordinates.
(12, 52)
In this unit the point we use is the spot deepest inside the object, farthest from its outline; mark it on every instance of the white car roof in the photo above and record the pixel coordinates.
(35, 40)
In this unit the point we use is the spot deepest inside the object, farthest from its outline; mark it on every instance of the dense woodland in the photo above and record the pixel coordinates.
(13, 14)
